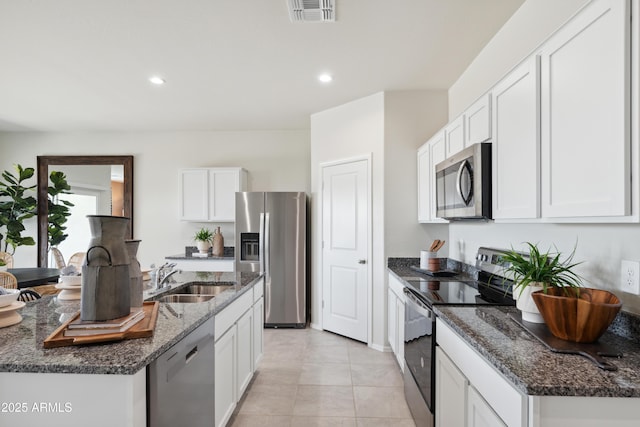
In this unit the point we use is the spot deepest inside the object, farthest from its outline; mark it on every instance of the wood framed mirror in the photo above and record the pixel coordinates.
(46, 164)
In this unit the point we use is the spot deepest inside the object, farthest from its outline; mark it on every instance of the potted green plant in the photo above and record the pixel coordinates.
(538, 271)
(203, 240)
(16, 206)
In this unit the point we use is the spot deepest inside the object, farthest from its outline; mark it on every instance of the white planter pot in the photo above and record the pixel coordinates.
(526, 305)
(203, 246)
(3, 268)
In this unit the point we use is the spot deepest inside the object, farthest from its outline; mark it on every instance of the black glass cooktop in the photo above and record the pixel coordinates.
(435, 292)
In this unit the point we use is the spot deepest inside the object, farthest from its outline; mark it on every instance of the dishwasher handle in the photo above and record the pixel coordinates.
(181, 362)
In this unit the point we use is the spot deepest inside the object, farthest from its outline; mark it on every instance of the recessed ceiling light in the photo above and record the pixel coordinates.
(325, 78)
(156, 80)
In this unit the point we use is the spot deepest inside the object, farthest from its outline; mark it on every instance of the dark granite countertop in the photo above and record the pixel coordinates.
(535, 370)
(22, 350)
(228, 254)
(522, 359)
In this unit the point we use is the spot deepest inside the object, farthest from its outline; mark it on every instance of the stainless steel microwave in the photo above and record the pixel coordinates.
(463, 184)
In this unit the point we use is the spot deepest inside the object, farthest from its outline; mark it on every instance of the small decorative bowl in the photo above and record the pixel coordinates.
(582, 316)
(9, 297)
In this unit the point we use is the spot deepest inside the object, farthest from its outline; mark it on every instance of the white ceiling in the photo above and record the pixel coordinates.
(83, 65)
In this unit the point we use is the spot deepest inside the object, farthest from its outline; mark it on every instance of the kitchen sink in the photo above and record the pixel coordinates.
(185, 298)
(204, 289)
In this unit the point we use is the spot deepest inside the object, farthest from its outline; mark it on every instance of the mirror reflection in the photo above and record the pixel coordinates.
(100, 185)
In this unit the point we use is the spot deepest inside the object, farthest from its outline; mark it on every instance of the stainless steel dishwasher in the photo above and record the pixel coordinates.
(180, 383)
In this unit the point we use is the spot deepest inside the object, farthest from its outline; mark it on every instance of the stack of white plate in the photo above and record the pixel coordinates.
(70, 287)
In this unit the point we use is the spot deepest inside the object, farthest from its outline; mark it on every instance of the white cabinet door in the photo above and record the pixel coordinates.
(479, 413)
(477, 121)
(400, 332)
(516, 143)
(437, 154)
(424, 184)
(585, 114)
(225, 379)
(451, 392)
(223, 185)
(194, 186)
(392, 322)
(208, 194)
(454, 136)
(258, 332)
(244, 353)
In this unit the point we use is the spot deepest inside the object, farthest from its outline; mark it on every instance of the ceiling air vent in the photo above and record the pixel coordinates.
(312, 10)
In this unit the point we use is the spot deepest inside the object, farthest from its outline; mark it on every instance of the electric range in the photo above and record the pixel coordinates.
(490, 288)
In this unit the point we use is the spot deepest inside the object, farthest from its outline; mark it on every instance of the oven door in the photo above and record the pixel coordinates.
(419, 356)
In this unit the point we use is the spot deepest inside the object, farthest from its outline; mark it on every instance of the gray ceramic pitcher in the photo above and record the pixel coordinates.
(106, 290)
(135, 273)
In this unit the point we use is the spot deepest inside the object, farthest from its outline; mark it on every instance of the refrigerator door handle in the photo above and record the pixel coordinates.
(267, 249)
(261, 243)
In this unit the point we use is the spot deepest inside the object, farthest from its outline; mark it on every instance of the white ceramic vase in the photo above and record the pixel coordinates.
(526, 305)
(203, 246)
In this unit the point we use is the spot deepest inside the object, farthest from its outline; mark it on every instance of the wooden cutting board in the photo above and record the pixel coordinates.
(142, 329)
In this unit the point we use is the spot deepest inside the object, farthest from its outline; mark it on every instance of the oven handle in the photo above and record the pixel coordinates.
(417, 305)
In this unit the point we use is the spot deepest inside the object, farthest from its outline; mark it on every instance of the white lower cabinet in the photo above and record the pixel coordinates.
(258, 331)
(245, 355)
(395, 319)
(451, 392)
(225, 378)
(238, 348)
(479, 413)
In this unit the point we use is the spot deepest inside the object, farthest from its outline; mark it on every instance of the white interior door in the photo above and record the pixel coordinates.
(345, 234)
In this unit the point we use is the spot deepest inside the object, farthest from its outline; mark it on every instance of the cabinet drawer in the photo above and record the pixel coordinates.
(396, 287)
(230, 314)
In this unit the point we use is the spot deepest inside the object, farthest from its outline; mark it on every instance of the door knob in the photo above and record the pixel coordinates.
(362, 261)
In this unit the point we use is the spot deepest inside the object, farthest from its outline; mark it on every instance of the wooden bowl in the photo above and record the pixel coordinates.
(580, 318)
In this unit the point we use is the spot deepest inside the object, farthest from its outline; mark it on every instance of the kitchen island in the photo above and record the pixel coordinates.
(101, 384)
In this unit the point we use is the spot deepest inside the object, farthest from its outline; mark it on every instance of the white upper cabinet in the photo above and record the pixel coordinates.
(585, 118)
(454, 136)
(424, 182)
(516, 143)
(437, 154)
(477, 121)
(208, 194)
(430, 154)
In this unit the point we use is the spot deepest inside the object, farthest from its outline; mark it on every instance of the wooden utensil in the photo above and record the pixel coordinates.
(439, 245)
(435, 243)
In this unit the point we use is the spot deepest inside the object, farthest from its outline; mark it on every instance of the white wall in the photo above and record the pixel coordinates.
(351, 130)
(411, 117)
(533, 22)
(600, 246)
(389, 127)
(275, 160)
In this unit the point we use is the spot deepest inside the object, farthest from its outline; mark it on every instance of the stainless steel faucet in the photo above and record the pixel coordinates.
(163, 273)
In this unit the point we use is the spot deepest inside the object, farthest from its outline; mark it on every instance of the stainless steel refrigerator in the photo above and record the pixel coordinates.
(271, 232)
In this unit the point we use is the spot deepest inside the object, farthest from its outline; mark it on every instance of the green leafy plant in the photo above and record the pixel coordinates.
(2, 263)
(58, 210)
(16, 206)
(547, 269)
(203, 235)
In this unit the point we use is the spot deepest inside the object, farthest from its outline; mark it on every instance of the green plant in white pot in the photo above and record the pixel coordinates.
(537, 271)
(203, 240)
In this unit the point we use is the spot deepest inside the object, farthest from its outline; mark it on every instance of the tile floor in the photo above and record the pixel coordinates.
(311, 378)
